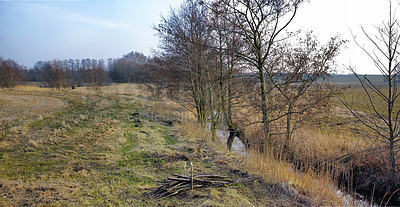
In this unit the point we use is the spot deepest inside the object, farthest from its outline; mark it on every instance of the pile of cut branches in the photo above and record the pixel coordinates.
(179, 183)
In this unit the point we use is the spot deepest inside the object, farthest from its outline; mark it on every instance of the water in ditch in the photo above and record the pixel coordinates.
(239, 147)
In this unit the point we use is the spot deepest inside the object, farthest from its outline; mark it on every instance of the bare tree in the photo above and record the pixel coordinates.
(97, 74)
(299, 69)
(9, 73)
(260, 23)
(228, 67)
(184, 36)
(384, 122)
(196, 61)
(54, 73)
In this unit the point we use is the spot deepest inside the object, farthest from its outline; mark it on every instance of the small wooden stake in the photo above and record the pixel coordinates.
(184, 169)
(191, 174)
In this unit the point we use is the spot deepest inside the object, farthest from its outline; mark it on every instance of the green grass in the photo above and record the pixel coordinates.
(95, 146)
(358, 99)
(92, 153)
(352, 79)
(80, 146)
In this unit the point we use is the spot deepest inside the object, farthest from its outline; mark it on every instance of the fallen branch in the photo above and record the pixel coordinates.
(174, 185)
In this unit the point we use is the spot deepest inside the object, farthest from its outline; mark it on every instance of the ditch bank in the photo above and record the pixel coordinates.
(359, 194)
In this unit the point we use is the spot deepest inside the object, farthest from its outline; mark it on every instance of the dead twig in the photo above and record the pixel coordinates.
(174, 185)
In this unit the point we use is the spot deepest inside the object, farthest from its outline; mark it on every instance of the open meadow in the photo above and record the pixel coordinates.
(111, 146)
(221, 103)
(87, 147)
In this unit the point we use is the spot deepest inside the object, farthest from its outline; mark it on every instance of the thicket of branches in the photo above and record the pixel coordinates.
(221, 57)
(234, 63)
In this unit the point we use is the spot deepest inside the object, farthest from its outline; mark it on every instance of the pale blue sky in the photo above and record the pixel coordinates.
(33, 30)
(45, 30)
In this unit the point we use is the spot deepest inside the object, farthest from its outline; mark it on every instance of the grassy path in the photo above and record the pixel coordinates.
(90, 153)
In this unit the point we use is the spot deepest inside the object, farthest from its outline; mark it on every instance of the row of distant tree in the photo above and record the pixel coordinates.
(131, 68)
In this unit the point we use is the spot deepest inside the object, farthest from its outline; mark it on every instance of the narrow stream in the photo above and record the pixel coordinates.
(223, 135)
(239, 147)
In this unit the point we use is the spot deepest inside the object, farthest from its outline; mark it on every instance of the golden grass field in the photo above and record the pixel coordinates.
(82, 148)
(22, 106)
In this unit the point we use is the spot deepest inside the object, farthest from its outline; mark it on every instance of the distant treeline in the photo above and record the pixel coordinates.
(131, 68)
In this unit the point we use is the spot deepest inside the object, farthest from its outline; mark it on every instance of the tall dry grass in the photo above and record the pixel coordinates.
(306, 165)
(320, 187)
(307, 145)
(323, 145)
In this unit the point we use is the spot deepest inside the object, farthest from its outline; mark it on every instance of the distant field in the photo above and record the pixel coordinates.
(356, 97)
(353, 81)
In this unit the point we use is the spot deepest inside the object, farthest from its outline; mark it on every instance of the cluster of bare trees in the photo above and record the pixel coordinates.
(131, 68)
(9, 73)
(55, 74)
(224, 55)
(64, 73)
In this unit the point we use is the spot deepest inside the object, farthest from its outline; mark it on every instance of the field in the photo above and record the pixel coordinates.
(352, 80)
(111, 147)
(84, 147)
(230, 107)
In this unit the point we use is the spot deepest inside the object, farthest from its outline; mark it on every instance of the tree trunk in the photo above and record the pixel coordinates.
(288, 127)
(393, 165)
(264, 108)
(214, 121)
(392, 137)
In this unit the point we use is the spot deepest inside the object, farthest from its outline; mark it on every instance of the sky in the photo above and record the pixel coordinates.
(33, 30)
(327, 18)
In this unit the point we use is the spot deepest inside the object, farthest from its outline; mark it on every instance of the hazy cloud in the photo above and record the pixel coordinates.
(76, 17)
